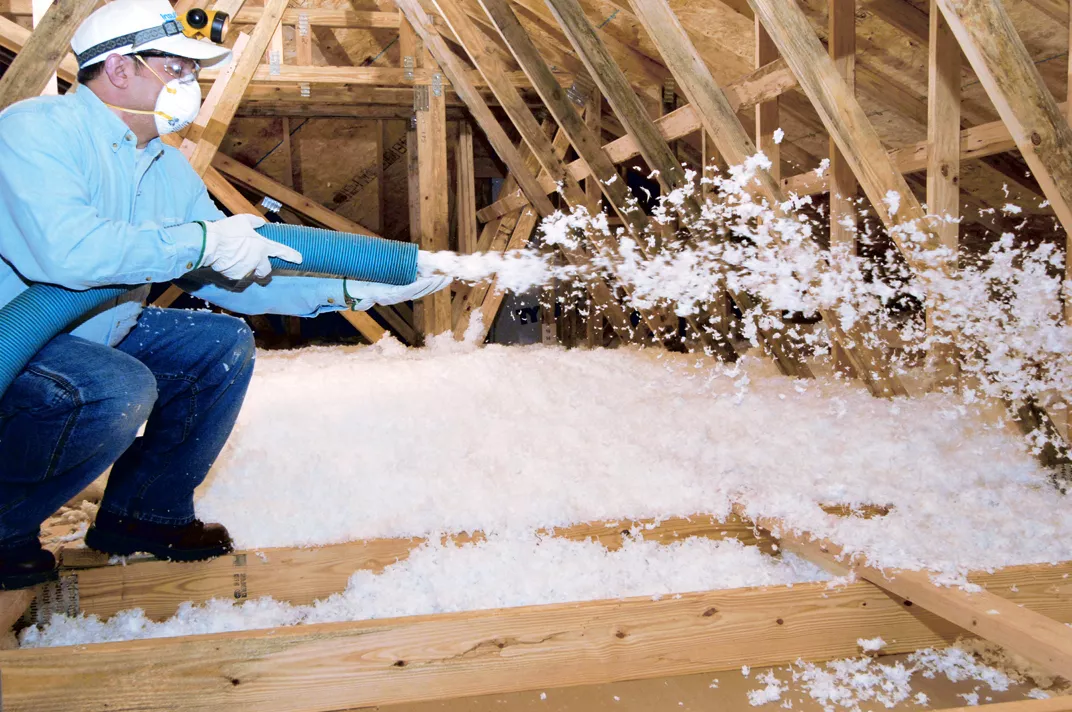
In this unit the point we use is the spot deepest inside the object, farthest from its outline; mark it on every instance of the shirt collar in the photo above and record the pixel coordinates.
(105, 123)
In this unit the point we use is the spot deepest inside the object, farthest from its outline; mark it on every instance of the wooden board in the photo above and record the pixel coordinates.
(301, 576)
(345, 665)
(207, 141)
(43, 52)
(465, 192)
(765, 83)
(1042, 639)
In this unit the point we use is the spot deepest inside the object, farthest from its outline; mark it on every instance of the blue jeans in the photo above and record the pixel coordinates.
(78, 406)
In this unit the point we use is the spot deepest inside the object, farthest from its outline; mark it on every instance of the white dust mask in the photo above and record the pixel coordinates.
(177, 104)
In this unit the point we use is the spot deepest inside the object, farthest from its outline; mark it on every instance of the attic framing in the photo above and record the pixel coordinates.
(465, 48)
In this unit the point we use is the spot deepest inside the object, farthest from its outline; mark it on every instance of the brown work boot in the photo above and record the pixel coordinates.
(123, 536)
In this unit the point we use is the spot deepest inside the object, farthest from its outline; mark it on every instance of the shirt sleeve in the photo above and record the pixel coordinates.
(203, 207)
(60, 236)
(282, 294)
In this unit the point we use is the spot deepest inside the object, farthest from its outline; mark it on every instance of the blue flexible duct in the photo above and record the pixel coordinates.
(37, 315)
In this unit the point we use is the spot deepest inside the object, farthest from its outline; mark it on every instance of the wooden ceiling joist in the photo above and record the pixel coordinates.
(1036, 636)
(445, 656)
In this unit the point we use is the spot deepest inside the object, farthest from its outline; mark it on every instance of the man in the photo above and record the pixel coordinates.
(89, 196)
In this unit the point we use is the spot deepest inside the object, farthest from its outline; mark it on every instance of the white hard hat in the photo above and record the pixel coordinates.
(129, 26)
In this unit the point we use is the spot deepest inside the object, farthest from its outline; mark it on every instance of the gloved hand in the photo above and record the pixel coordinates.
(362, 296)
(234, 249)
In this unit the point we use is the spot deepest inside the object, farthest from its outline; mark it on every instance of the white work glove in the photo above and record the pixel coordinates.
(234, 249)
(362, 296)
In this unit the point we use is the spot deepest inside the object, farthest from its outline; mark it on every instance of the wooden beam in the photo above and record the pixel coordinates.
(976, 142)
(764, 83)
(474, 42)
(326, 110)
(287, 196)
(13, 37)
(43, 52)
(767, 118)
(300, 576)
(943, 164)
(843, 117)
(432, 313)
(842, 46)
(841, 42)
(733, 144)
(554, 170)
(653, 148)
(40, 7)
(465, 192)
(341, 19)
(622, 99)
(593, 119)
(505, 149)
(1013, 83)
(366, 76)
(207, 142)
(456, 72)
(587, 144)
(445, 656)
(646, 75)
(1052, 704)
(847, 123)
(188, 140)
(1034, 635)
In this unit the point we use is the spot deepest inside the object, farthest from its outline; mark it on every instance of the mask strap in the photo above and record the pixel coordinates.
(169, 90)
(169, 117)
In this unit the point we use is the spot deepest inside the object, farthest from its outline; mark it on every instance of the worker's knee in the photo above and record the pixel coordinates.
(233, 348)
(75, 402)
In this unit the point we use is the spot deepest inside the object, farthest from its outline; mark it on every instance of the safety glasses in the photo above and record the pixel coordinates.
(182, 68)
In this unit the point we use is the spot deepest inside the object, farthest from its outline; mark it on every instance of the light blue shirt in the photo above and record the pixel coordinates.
(80, 209)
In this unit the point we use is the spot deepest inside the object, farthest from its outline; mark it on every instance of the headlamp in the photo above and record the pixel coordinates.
(211, 24)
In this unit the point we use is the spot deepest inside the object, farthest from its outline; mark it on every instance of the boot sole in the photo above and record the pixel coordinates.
(119, 545)
(17, 582)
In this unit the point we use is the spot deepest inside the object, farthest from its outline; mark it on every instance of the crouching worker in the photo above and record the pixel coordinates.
(89, 196)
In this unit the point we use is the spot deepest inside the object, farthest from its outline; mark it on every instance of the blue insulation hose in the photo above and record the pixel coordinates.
(37, 315)
(370, 259)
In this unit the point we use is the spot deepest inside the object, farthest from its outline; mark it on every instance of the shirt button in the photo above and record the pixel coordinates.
(115, 146)
(189, 265)
(148, 279)
(331, 300)
(130, 137)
